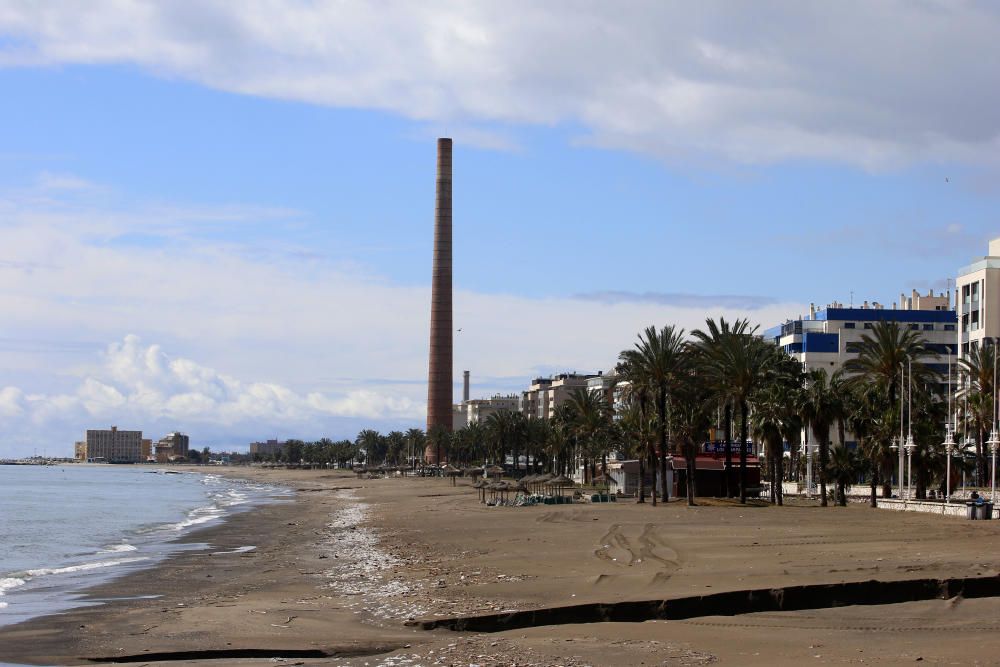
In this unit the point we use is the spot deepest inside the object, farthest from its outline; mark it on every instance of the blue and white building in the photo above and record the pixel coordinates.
(829, 337)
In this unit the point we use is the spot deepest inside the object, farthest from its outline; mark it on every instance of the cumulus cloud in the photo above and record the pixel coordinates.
(869, 84)
(141, 384)
(203, 337)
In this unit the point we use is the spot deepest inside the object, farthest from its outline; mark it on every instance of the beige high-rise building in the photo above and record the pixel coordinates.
(80, 450)
(478, 409)
(978, 301)
(544, 395)
(114, 446)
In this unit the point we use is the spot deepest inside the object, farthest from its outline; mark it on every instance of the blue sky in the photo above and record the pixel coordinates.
(230, 213)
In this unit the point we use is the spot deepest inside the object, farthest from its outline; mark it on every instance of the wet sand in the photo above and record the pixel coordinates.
(337, 574)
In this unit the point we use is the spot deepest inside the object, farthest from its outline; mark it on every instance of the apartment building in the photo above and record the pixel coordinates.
(266, 448)
(544, 395)
(977, 291)
(829, 337)
(479, 409)
(114, 445)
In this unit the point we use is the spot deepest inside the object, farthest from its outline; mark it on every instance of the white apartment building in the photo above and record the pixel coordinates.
(978, 300)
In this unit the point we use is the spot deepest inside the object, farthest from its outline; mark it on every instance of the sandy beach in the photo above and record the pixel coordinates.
(350, 571)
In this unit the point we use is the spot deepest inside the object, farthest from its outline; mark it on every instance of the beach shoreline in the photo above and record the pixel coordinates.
(338, 572)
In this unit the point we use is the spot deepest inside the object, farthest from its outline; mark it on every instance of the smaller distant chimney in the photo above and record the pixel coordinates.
(812, 311)
(465, 386)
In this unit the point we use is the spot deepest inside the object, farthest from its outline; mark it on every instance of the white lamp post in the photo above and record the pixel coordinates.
(899, 444)
(949, 445)
(910, 445)
(896, 448)
(809, 468)
(993, 442)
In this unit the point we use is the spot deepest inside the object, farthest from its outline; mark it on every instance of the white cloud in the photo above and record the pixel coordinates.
(230, 347)
(867, 84)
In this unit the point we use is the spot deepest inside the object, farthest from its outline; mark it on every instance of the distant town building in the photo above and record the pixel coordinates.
(479, 409)
(147, 450)
(604, 385)
(172, 447)
(114, 446)
(266, 449)
(977, 292)
(80, 450)
(544, 395)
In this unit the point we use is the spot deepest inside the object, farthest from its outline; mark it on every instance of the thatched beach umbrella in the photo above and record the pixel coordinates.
(540, 481)
(480, 487)
(495, 470)
(474, 471)
(451, 471)
(560, 482)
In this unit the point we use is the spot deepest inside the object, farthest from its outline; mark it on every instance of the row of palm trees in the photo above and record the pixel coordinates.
(672, 391)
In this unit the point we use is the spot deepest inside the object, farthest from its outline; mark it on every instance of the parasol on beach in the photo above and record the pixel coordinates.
(541, 480)
(451, 471)
(495, 470)
(560, 482)
(480, 487)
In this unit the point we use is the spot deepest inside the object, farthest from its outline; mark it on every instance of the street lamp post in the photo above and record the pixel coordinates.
(895, 446)
(994, 436)
(910, 445)
(809, 468)
(993, 442)
(949, 441)
(899, 446)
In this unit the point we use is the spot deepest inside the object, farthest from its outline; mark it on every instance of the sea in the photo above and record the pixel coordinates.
(64, 528)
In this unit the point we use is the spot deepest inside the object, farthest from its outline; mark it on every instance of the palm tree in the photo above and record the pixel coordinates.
(824, 405)
(871, 418)
(738, 362)
(416, 441)
(690, 417)
(843, 468)
(395, 445)
(657, 361)
(589, 414)
(977, 371)
(882, 353)
(639, 431)
(439, 437)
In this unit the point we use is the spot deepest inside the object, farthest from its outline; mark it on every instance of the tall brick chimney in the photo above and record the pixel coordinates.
(439, 376)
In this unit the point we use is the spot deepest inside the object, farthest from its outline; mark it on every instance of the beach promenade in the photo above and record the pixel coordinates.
(343, 575)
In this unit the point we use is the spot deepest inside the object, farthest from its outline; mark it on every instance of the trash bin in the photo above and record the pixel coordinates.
(984, 511)
(970, 511)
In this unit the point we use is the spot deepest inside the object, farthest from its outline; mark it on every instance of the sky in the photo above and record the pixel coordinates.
(217, 217)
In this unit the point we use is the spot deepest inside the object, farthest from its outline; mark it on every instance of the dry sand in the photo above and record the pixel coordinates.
(342, 569)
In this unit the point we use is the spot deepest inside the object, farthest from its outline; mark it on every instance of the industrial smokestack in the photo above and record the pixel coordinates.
(465, 387)
(439, 376)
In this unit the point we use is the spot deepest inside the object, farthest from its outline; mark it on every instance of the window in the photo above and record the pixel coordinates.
(949, 327)
(928, 327)
(868, 325)
(850, 325)
(914, 327)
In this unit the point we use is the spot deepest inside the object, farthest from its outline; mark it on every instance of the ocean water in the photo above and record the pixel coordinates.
(65, 528)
